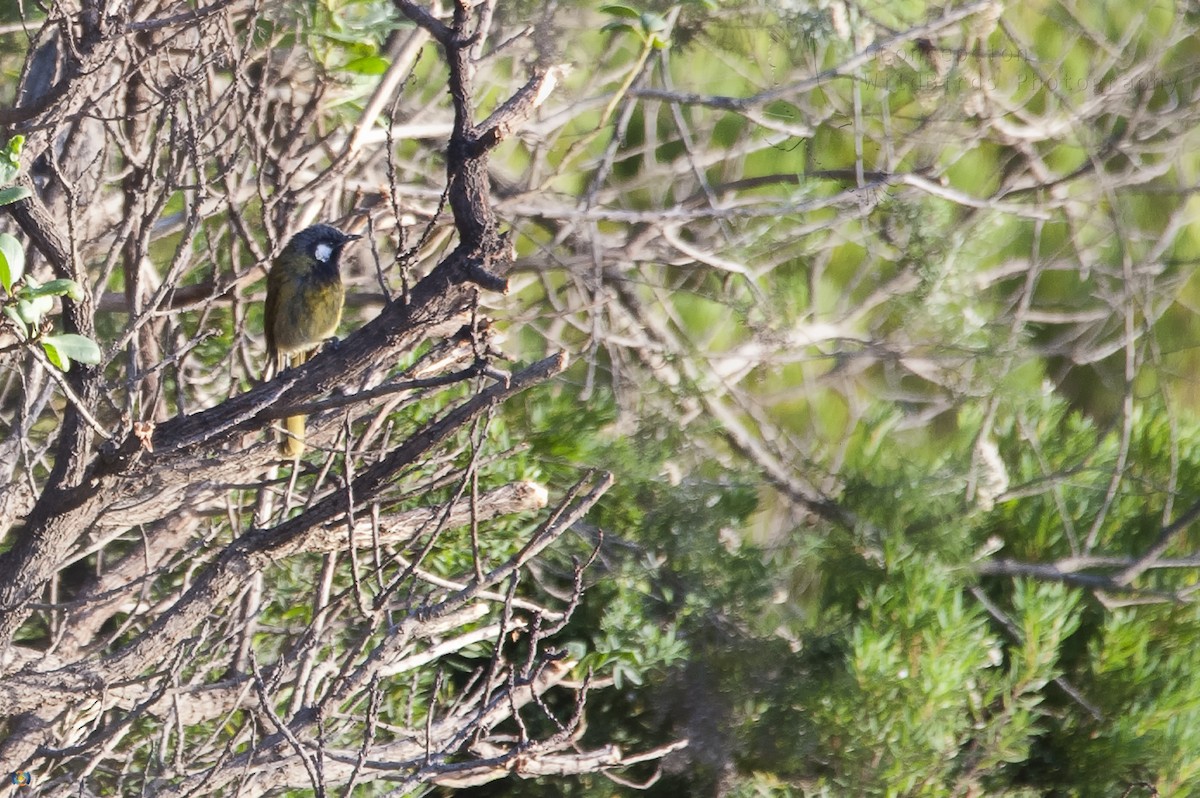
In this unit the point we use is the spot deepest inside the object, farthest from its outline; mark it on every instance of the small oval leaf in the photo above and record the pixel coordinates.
(368, 65)
(12, 194)
(611, 26)
(55, 355)
(76, 347)
(12, 150)
(28, 311)
(12, 261)
(42, 304)
(618, 10)
(15, 318)
(653, 23)
(60, 287)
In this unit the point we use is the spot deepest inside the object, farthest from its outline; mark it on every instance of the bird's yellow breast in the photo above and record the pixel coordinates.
(307, 311)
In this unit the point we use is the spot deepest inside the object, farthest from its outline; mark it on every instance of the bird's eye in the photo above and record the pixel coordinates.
(322, 252)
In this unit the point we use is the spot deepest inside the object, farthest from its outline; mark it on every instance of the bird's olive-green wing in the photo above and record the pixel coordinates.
(275, 286)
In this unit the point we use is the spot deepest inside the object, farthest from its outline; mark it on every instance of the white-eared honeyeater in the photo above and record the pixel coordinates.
(304, 306)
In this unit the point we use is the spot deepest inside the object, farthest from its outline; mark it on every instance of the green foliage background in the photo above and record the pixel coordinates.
(809, 658)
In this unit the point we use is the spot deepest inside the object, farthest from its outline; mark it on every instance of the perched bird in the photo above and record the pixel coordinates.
(304, 306)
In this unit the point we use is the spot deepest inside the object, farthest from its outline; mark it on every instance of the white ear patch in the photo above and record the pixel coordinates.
(322, 252)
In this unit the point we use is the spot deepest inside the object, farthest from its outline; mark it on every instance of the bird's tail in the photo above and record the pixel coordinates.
(291, 442)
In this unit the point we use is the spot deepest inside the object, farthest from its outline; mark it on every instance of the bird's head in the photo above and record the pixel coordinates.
(321, 242)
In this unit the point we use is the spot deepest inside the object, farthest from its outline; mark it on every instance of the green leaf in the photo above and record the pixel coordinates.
(352, 40)
(56, 357)
(15, 318)
(29, 312)
(652, 23)
(368, 65)
(12, 150)
(42, 304)
(74, 347)
(74, 291)
(618, 10)
(54, 288)
(10, 159)
(11, 194)
(609, 26)
(12, 261)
